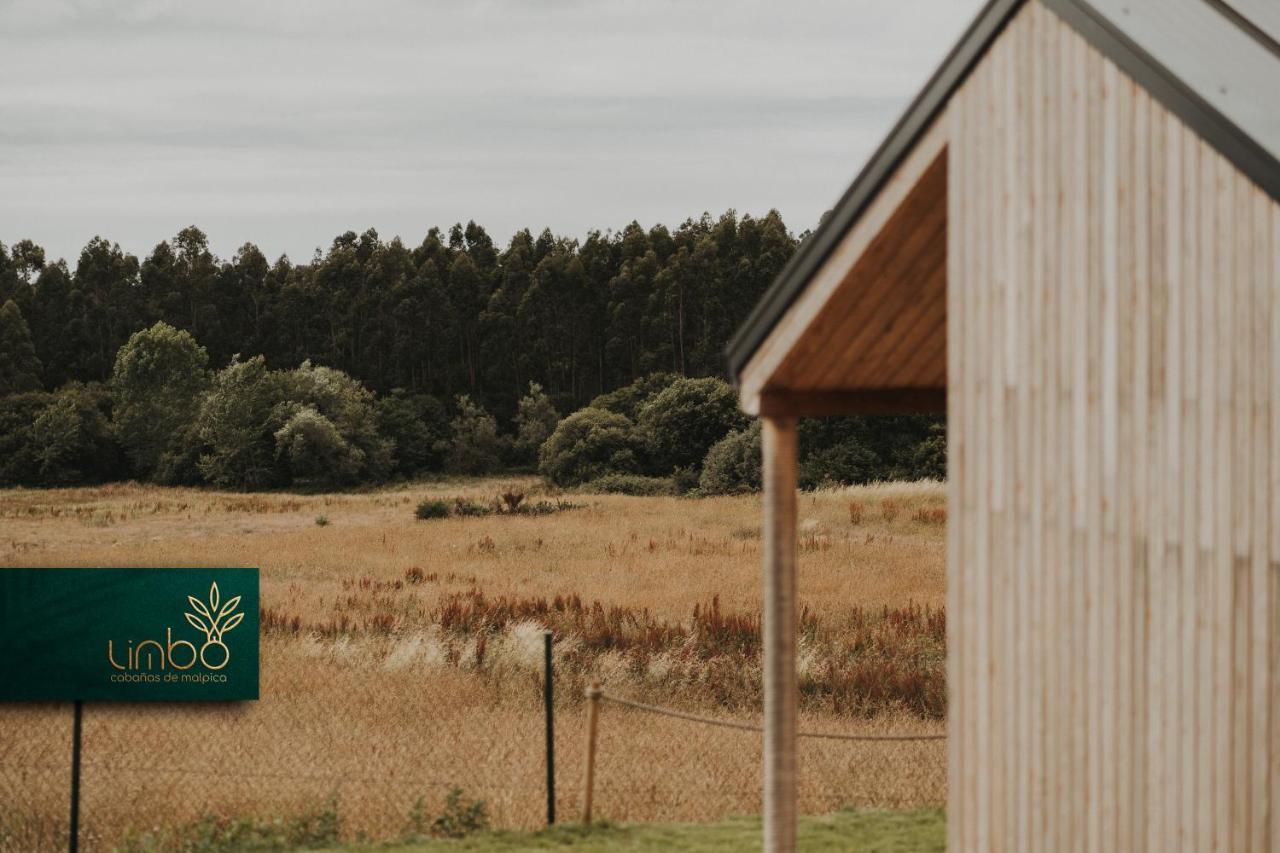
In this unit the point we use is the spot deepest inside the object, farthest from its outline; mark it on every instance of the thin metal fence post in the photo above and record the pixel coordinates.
(73, 843)
(589, 777)
(549, 700)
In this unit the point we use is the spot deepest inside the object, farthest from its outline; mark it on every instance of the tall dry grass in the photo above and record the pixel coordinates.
(401, 657)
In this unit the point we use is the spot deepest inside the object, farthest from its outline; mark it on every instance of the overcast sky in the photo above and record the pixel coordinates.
(287, 123)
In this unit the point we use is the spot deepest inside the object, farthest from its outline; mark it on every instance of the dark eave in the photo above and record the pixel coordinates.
(1216, 79)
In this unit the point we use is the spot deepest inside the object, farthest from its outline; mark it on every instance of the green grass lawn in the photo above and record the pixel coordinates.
(883, 831)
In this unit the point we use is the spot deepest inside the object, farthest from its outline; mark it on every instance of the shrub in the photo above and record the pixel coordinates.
(509, 501)
(547, 507)
(353, 446)
(589, 444)
(431, 508)
(630, 484)
(476, 447)
(461, 817)
(464, 508)
(682, 422)
(931, 515)
(313, 449)
(627, 400)
(684, 479)
(867, 449)
(259, 428)
(317, 827)
(322, 521)
(733, 464)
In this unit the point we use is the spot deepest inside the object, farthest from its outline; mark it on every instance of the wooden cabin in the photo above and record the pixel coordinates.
(1070, 243)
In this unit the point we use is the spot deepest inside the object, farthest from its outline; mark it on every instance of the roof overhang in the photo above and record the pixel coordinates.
(1196, 57)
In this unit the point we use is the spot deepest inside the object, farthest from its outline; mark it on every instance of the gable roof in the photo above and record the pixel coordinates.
(1213, 63)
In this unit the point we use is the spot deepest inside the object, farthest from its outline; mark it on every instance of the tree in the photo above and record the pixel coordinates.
(682, 422)
(929, 458)
(536, 419)
(418, 427)
(235, 427)
(108, 308)
(18, 413)
(54, 318)
(159, 376)
(733, 463)
(476, 447)
(348, 407)
(451, 315)
(71, 439)
(19, 366)
(588, 444)
(28, 259)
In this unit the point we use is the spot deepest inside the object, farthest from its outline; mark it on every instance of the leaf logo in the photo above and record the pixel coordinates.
(214, 619)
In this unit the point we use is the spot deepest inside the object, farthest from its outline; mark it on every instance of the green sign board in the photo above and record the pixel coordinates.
(185, 635)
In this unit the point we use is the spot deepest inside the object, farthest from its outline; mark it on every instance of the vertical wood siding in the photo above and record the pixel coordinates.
(1114, 551)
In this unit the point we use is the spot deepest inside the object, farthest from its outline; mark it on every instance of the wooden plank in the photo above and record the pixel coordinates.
(1038, 344)
(1019, 390)
(1155, 779)
(957, 445)
(997, 615)
(1142, 446)
(881, 300)
(1271, 257)
(1233, 612)
(1261, 297)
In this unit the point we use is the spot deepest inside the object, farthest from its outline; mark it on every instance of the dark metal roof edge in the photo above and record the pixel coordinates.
(1229, 140)
(815, 250)
(1246, 25)
(1241, 149)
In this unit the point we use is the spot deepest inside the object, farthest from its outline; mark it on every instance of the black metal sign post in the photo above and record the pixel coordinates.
(549, 699)
(74, 843)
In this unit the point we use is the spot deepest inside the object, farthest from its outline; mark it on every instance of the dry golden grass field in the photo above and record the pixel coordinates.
(403, 657)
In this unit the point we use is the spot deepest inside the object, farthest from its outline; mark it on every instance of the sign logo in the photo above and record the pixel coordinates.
(210, 619)
(214, 626)
(167, 634)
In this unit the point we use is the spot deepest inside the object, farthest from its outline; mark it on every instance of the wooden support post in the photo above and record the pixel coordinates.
(778, 435)
(589, 774)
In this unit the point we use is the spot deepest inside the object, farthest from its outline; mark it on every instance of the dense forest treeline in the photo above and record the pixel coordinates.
(454, 314)
(376, 360)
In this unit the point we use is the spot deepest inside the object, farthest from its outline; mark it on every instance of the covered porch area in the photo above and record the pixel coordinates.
(856, 326)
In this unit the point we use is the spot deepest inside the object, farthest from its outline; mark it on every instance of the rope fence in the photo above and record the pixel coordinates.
(750, 727)
(913, 760)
